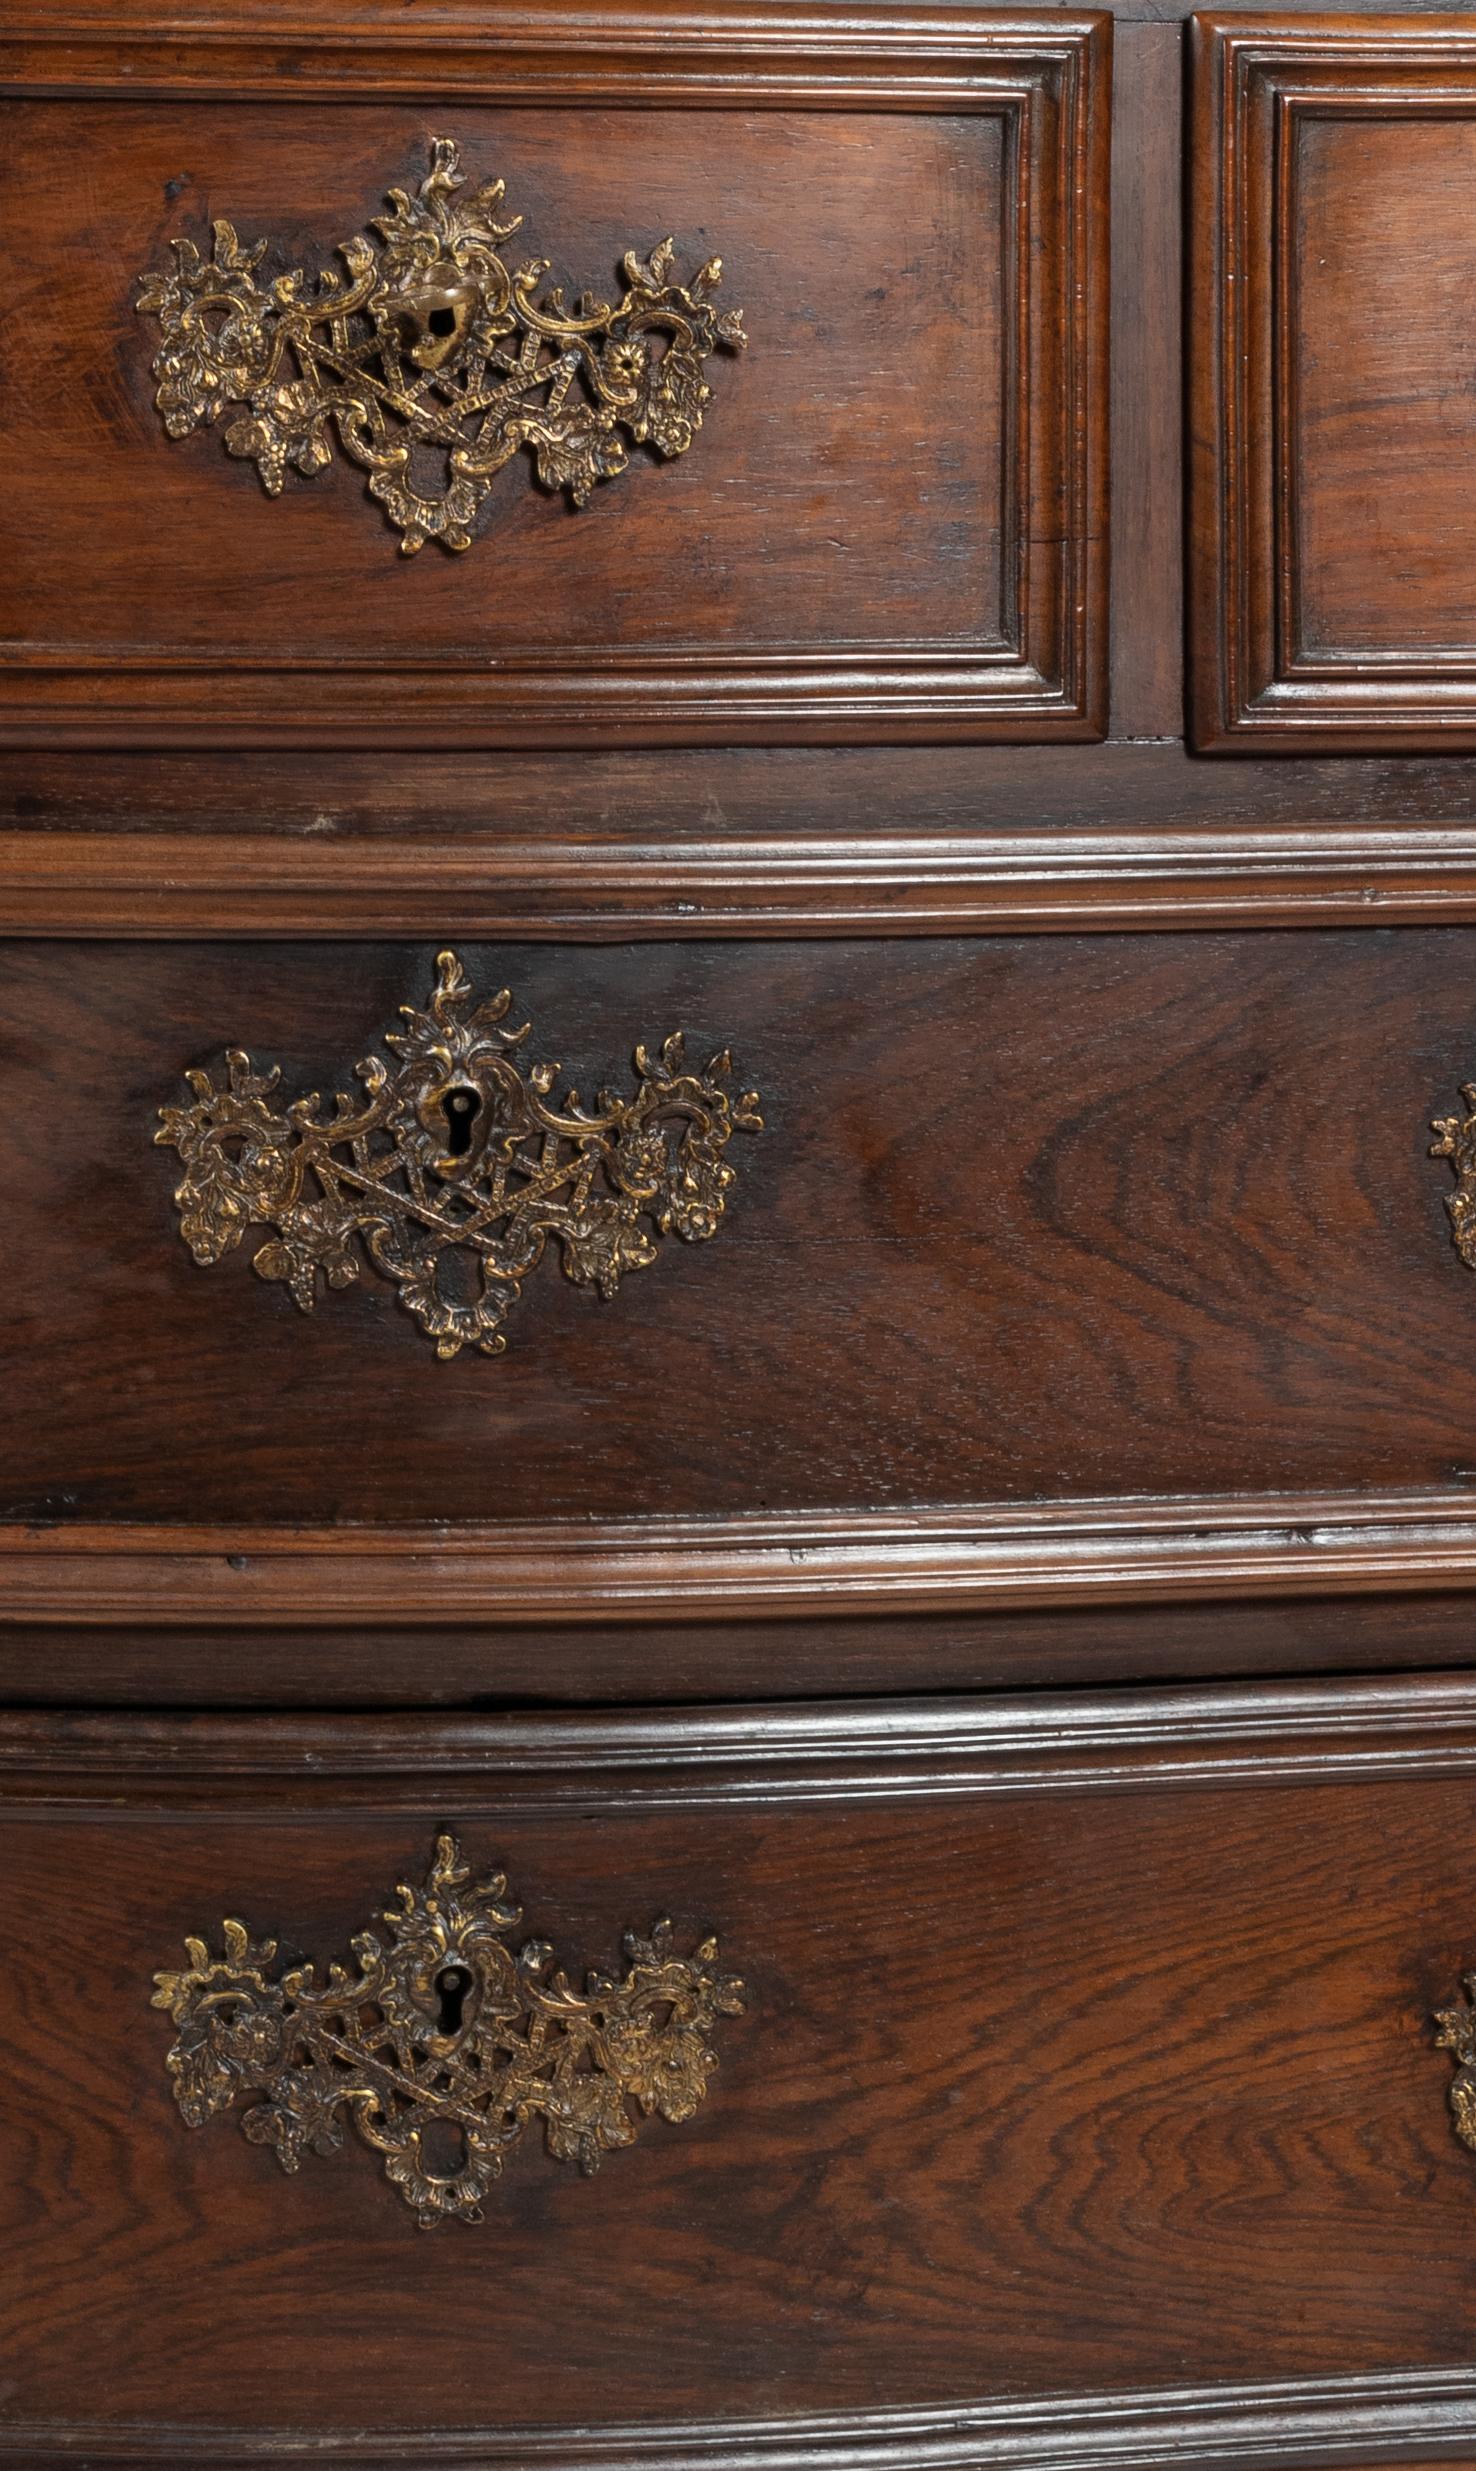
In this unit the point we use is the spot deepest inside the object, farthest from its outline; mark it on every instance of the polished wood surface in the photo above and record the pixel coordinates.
(1034, 1220)
(893, 524)
(1330, 522)
(1089, 2045)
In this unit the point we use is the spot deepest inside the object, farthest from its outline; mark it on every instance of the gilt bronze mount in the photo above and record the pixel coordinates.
(456, 1167)
(440, 2045)
(1456, 1140)
(432, 344)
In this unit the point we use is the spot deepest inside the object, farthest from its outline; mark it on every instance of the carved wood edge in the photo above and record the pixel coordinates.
(1240, 694)
(473, 1767)
(172, 885)
(1289, 2421)
(820, 1565)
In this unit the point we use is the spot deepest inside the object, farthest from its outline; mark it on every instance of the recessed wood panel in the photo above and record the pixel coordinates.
(1334, 472)
(888, 523)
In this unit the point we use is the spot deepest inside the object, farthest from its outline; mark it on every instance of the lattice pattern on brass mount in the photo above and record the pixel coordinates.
(434, 345)
(456, 1166)
(442, 2040)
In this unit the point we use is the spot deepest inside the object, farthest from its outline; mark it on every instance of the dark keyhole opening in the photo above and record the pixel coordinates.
(461, 1108)
(442, 321)
(452, 1985)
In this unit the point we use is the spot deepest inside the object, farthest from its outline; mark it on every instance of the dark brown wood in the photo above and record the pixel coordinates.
(102, 1658)
(1040, 1993)
(1035, 1220)
(830, 1566)
(892, 526)
(1147, 390)
(1331, 539)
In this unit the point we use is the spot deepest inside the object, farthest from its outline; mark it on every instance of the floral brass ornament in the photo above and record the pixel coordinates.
(432, 343)
(456, 1167)
(440, 2045)
(1456, 1140)
(1455, 2031)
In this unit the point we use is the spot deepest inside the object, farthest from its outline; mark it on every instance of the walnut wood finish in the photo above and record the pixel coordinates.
(1035, 1220)
(895, 527)
(1331, 528)
(1124, 1998)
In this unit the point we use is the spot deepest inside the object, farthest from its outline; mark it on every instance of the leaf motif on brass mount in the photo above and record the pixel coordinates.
(456, 1164)
(440, 2045)
(433, 343)
(1456, 1140)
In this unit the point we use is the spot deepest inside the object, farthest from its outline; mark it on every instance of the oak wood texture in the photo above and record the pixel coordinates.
(1332, 426)
(1035, 1221)
(1089, 2050)
(893, 524)
(99, 1655)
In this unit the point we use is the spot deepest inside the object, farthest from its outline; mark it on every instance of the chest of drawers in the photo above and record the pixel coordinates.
(737, 1713)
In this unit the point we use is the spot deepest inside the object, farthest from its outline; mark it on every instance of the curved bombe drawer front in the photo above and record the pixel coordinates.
(1026, 1220)
(709, 400)
(982, 2062)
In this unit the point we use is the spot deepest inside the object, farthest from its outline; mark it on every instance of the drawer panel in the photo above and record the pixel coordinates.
(882, 518)
(1094, 2054)
(1332, 533)
(1032, 1222)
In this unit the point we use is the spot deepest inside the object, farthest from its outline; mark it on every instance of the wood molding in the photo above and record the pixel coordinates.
(1019, 654)
(689, 1758)
(1258, 676)
(816, 1565)
(1391, 2418)
(178, 884)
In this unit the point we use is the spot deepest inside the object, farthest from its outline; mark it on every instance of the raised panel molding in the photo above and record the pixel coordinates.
(1332, 419)
(981, 133)
(1275, 2425)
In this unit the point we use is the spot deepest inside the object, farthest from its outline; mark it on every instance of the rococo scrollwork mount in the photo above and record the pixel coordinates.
(456, 1167)
(434, 345)
(440, 2045)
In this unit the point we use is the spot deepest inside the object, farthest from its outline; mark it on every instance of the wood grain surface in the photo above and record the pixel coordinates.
(1045, 2087)
(1033, 1219)
(892, 524)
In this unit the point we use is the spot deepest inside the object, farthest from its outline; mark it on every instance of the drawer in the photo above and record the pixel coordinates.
(883, 518)
(1062, 1267)
(1083, 2081)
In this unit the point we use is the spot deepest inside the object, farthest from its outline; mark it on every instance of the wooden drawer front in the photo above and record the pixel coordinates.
(1050, 2077)
(1037, 1219)
(1333, 523)
(890, 523)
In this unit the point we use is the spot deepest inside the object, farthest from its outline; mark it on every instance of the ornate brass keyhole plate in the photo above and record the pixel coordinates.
(439, 2045)
(456, 1167)
(434, 344)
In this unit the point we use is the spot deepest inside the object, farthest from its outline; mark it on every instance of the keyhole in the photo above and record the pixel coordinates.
(452, 1985)
(461, 1109)
(442, 321)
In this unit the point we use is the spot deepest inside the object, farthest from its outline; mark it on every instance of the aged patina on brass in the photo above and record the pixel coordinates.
(457, 1159)
(442, 2039)
(433, 342)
